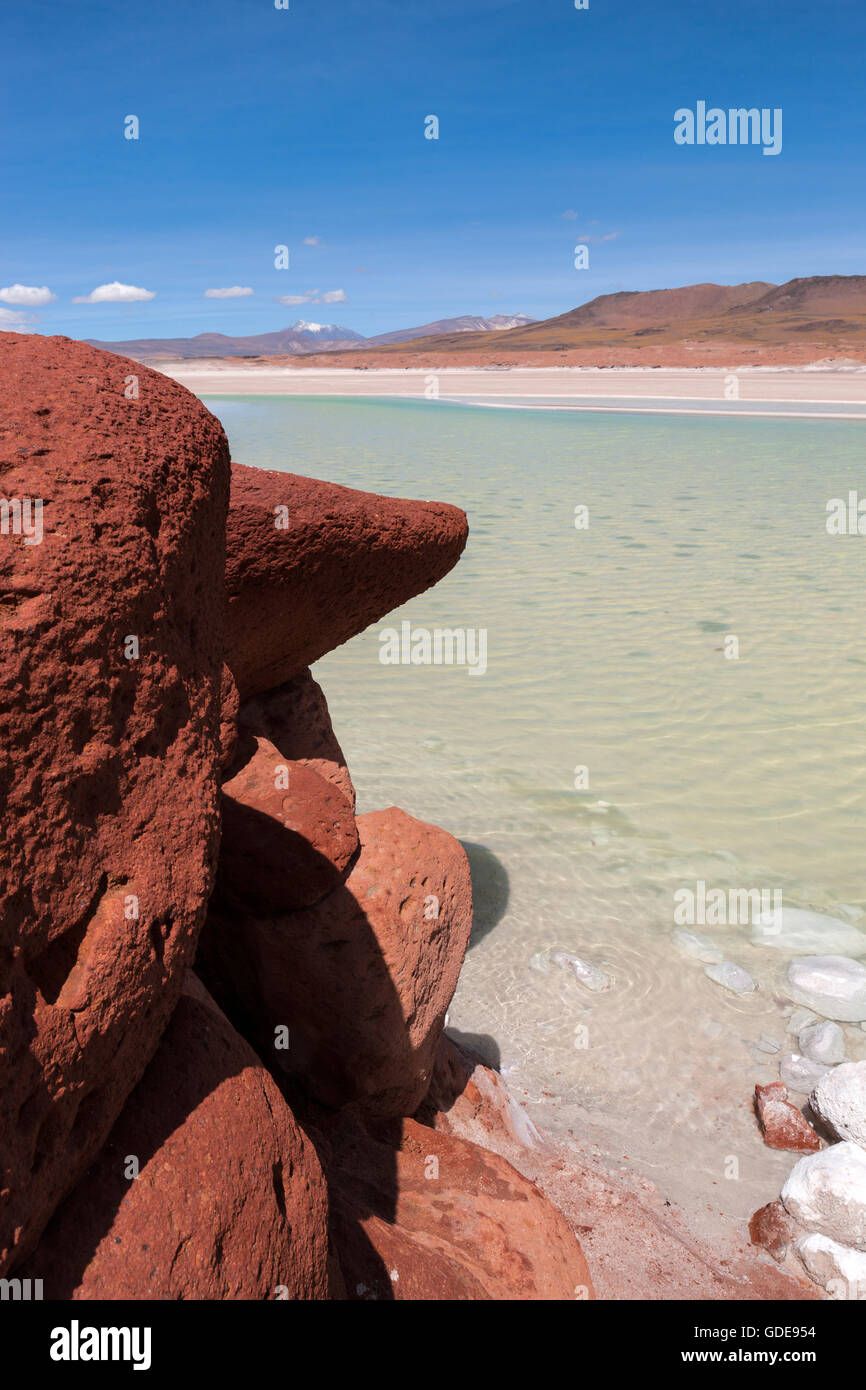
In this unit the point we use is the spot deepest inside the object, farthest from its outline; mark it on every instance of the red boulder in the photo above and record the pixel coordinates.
(311, 564)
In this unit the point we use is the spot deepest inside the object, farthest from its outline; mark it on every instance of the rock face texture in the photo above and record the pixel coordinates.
(423, 1215)
(295, 719)
(115, 484)
(288, 835)
(839, 1099)
(471, 1101)
(229, 1201)
(363, 979)
(826, 1193)
(311, 564)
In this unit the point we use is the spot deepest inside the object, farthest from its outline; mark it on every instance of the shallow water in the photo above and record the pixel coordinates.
(608, 648)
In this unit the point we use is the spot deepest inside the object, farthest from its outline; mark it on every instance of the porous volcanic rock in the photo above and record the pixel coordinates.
(229, 1201)
(111, 646)
(288, 835)
(295, 718)
(363, 979)
(310, 564)
(784, 1126)
(418, 1214)
(229, 707)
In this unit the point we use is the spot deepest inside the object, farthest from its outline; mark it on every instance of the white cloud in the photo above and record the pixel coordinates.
(115, 293)
(29, 295)
(312, 241)
(314, 297)
(10, 321)
(570, 215)
(233, 292)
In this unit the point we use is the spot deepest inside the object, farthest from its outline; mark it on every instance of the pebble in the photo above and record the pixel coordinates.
(691, 943)
(731, 976)
(822, 1042)
(800, 1074)
(799, 932)
(834, 986)
(584, 971)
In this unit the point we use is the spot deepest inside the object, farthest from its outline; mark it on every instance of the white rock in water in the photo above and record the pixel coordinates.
(800, 1019)
(539, 962)
(837, 1268)
(767, 1044)
(840, 1101)
(822, 1042)
(793, 929)
(800, 1074)
(833, 986)
(732, 976)
(826, 1192)
(697, 946)
(583, 970)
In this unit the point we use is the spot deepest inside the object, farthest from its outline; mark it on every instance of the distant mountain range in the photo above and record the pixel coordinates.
(302, 337)
(824, 308)
(804, 320)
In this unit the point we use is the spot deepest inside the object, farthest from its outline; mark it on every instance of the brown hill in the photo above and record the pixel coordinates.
(694, 325)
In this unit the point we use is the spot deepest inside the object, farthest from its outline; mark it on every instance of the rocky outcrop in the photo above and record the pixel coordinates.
(311, 564)
(361, 980)
(205, 1188)
(111, 644)
(333, 943)
(419, 1214)
(839, 1099)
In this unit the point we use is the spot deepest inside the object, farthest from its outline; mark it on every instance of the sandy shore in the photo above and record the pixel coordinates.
(826, 391)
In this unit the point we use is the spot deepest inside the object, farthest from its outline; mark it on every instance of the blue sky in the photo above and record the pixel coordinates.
(261, 127)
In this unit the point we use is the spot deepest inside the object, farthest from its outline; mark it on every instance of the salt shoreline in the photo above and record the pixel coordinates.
(759, 390)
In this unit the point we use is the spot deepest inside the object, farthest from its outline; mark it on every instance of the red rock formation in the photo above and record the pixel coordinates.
(110, 656)
(311, 564)
(363, 979)
(295, 718)
(229, 706)
(288, 835)
(418, 1214)
(471, 1100)
(784, 1126)
(229, 1201)
(773, 1229)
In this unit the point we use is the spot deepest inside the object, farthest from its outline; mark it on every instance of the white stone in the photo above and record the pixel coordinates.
(826, 1192)
(697, 946)
(823, 1042)
(800, 1074)
(839, 1099)
(833, 986)
(584, 971)
(731, 976)
(768, 1044)
(837, 1268)
(800, 1019)
(800, 932)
